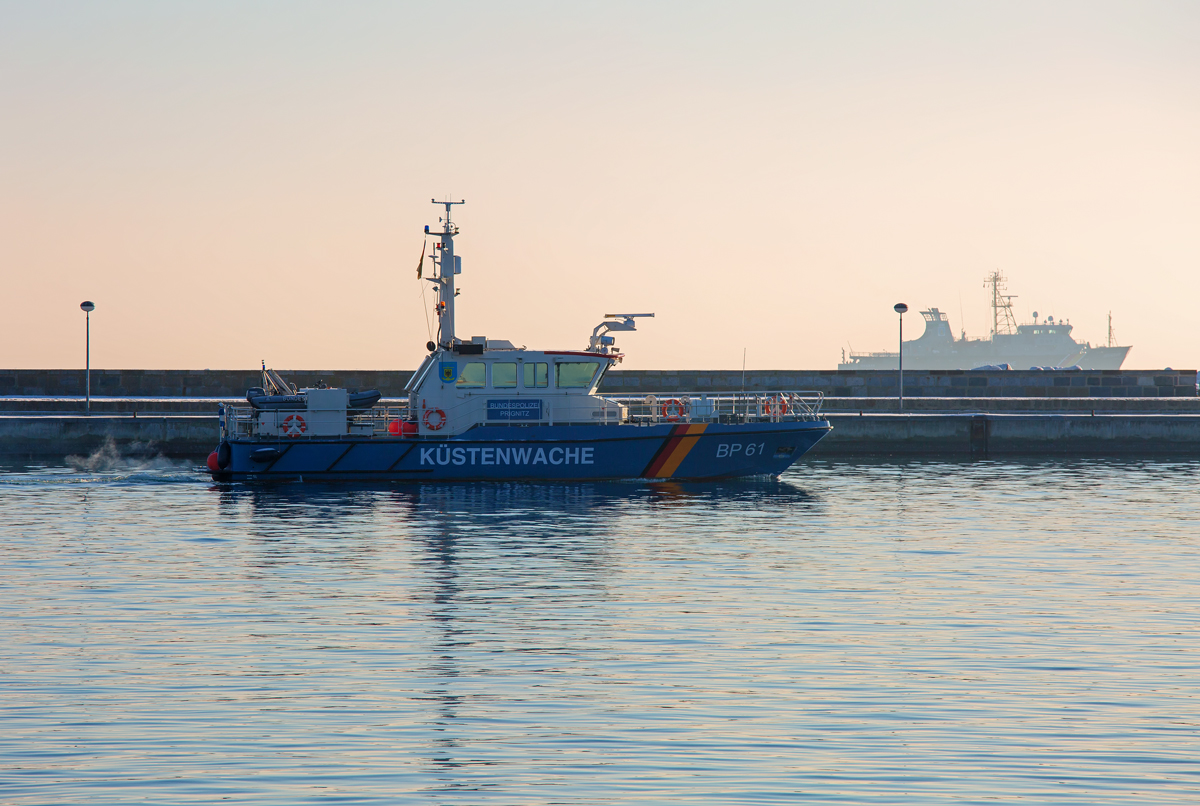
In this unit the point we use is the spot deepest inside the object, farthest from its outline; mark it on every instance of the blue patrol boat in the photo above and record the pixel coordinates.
(484, 409)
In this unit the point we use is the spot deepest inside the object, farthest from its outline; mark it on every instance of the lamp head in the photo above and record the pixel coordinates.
(900, 307)
(87, 306)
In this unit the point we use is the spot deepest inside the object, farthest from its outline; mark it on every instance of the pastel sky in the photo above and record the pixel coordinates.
(234, 181)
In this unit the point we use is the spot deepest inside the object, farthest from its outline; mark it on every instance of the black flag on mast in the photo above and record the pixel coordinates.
(421, 264)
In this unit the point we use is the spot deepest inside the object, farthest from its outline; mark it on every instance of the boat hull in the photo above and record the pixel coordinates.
(509, 453)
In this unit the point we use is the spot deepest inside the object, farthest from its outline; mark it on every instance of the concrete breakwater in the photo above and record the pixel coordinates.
(145, 406)
(833, 383)
(984, 436)
(947, 413)
(944, 435)
(173, 435)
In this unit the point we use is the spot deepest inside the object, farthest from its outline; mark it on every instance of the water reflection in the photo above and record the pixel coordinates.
(442, 590)
(487, 499)
(954, 630)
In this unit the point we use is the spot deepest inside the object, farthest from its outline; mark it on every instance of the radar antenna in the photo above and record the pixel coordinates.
(600, 343)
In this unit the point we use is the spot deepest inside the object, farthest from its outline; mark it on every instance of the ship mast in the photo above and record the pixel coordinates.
(448, 266)
(1112, 341)
(1002, 308)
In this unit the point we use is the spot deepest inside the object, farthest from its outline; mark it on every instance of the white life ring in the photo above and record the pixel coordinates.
(673, 409)
(441, 419)
(293, 425)
(774, 406)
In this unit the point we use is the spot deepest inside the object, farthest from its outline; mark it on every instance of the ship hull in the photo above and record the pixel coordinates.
(1094, 358)
(1103, 357)
(494, 453)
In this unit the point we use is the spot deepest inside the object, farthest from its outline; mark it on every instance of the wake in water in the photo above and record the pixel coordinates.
(139, 456)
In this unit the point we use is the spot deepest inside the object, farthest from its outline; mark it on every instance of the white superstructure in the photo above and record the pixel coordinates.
(462, 384)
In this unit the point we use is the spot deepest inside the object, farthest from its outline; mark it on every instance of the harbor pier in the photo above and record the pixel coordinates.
(947, 414)
(978, 435)
(179, 383)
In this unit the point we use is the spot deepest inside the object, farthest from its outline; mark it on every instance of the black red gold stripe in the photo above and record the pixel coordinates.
(673, 451)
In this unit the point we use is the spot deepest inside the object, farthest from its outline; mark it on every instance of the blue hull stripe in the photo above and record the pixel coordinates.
(275, 461)
(340, 458)
(401, 458)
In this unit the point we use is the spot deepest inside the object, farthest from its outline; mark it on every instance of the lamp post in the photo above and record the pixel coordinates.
(87, 307)
(900, 308)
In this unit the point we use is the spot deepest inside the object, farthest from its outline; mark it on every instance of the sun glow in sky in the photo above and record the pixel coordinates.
(231, 182)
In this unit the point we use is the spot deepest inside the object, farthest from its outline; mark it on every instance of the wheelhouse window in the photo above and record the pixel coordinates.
(575, 374)
(504, 375)
(472, 376)
(537, 375)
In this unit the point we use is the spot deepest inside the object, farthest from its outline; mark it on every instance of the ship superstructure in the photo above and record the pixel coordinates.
(1036, 344)
(483, 409)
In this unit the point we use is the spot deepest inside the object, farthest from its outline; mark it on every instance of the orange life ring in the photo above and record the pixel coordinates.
(668, 405)
(294, 425)
(776, 404)
(441, 419)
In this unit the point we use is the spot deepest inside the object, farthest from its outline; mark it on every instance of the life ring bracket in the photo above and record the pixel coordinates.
(293, 426)
(440, 421)
(674, 409)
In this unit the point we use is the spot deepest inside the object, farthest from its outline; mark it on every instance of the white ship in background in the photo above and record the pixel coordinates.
(1047, 343)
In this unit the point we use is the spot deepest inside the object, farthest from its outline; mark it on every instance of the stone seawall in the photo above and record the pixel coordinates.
(984, 436)
(170, 435)
(950, 436)
(144, 406)
(922, 383)
(833, 383)
(184, 382)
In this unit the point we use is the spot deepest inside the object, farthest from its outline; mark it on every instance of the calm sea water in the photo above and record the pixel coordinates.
(915, 633)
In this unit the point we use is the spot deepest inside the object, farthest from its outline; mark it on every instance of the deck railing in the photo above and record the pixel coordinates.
(384, 420)
(730, 407)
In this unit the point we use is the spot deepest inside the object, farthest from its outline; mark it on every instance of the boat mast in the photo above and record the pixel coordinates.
(1112, 342)
(1001, 303)
(449, 265)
